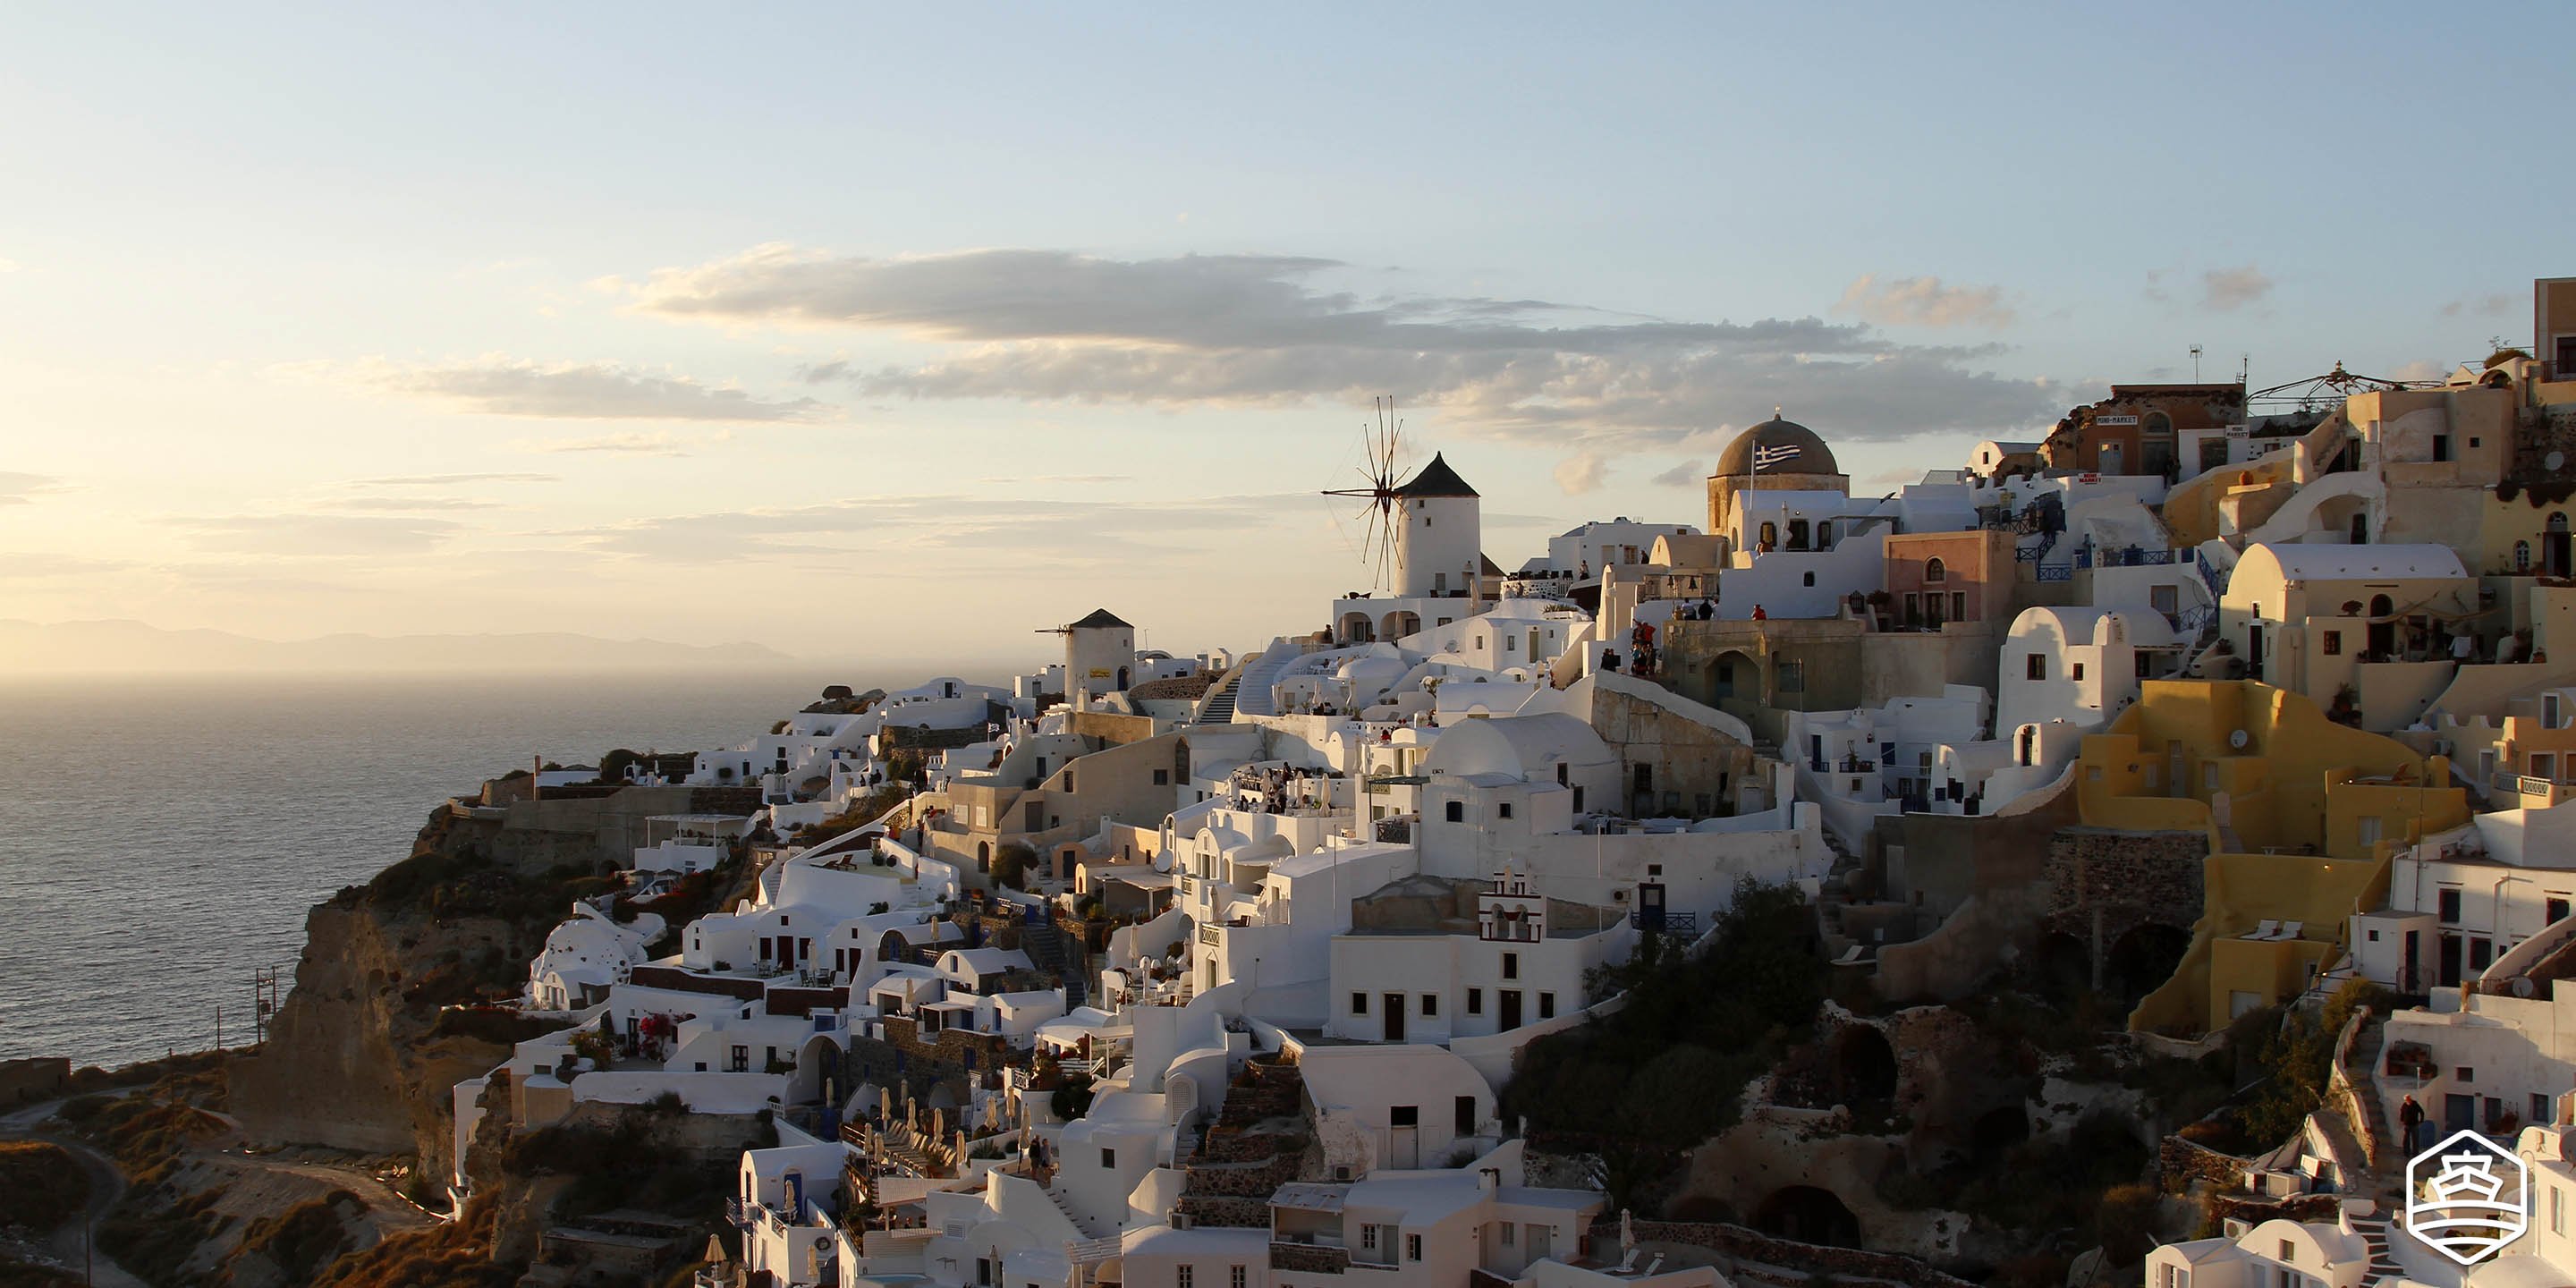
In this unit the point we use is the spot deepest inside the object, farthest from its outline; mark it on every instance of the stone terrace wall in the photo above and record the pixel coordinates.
(1753, 1245)
(2130, 878)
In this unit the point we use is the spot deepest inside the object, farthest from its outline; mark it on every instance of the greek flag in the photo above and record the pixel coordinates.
(1766, 457)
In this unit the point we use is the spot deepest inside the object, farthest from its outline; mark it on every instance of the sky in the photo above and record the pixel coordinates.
(901, 332)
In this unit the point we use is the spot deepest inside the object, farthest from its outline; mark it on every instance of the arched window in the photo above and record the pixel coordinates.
(1770, 535)
(2557, 521)
(2522, 556)
(2158, 423)
(1934, 570)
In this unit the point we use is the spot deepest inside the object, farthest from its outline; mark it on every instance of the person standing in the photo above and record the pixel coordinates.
(2410, 1118)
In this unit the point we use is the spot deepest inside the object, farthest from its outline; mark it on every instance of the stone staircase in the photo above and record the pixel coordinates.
(2375, 1237)
(1219, 708)
(1255, 1146)
(1045, 945)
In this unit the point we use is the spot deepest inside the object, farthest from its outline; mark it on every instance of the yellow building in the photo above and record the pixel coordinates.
(2301, 814)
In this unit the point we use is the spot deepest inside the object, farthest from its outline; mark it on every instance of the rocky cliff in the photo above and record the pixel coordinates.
(381, 1024)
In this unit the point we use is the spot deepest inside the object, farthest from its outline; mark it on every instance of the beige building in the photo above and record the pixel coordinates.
(2364, 631)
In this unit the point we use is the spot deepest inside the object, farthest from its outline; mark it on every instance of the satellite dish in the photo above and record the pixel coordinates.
(2522, 986)
(2236, 738)
(2554, 460)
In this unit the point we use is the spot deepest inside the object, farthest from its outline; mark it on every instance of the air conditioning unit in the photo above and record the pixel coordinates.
(1180, 1220)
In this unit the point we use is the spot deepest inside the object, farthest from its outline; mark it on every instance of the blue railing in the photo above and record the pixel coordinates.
(2056, 572)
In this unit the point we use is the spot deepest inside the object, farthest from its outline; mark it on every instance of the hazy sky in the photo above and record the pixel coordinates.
(910, 329)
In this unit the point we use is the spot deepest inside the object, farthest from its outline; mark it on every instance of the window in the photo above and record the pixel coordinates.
(1503, 810)
(1185, 1277)
(1430, 1005)
(2076, 672)
(1162, 778)
(2289, 1252)
(1654, 869)
(2557, 1209)
(2557, 911)
(2334, 644)
(1465, 1118)
(1547, 1006)
(1359, 1003)
(2464, 1073)
(2446, 906)
(1234, 1277)
(1404, 1115)
(1368, 1238)
(1475, 1001)
(1793, 677)
(1413, 1247)
(1511, 965)
(1509, 1229)
(2035, 667)
(2441, 447)
(741, 1059)
(1456, 812)
(1811, 579)
(2481, 952)
(1935, 571)
(1108, 1160)
(1958, 605)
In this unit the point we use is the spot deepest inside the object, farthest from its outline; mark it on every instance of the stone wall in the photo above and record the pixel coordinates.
(32, 1079)
(1990, 869)
(1752, 1245)
(2184, 1163)
(2103, 884)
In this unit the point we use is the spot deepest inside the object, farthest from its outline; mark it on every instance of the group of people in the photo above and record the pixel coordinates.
(1267, 789)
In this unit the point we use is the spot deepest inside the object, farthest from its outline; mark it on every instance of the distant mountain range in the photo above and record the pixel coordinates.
(113, 646)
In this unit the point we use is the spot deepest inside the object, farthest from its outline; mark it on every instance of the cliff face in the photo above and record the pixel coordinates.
(363, 1053)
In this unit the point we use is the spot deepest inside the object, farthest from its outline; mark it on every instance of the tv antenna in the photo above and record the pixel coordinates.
(1381, 452)
(2195, 364)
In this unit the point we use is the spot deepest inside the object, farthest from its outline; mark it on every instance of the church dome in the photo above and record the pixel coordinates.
(1777, 446)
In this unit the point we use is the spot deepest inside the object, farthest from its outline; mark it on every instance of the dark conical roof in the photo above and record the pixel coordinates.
(1099, 617)
(1436, 479)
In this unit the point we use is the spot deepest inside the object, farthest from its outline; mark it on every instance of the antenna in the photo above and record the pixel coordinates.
(2195, 364)
(1380, 448)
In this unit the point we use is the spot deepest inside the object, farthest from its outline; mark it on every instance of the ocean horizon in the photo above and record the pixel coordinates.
(162, 837)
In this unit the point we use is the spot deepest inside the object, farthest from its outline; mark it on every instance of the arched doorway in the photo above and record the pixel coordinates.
(2141, 960)
(2554, 554)
(2383, 629)
(1864, 1068)
(1400, 624)
(1122, 677)
(983, 856)
(1356, 629)
(1806, 1214)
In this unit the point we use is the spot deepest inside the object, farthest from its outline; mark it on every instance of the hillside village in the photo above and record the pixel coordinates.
(2105, 862)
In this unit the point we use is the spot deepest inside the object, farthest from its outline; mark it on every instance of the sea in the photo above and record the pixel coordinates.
(161, 839)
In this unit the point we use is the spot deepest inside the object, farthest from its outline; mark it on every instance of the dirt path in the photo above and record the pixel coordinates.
(106, 1186)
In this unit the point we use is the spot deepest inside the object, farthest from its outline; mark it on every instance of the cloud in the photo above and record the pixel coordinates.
(2225, 290)
(1685, 474)
(416, 503)
(658, 443)
(1049, 533)
(445, 480)
(8, 266)
(499, 386)
(1923, 301)
(22, 489)
(2490, 306)
(35, 565)
(318, 534)
(1266, 330)
(1580, 473)
(2419, 369)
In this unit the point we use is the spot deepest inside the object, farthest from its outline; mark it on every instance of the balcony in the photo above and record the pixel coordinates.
(1308, 1258)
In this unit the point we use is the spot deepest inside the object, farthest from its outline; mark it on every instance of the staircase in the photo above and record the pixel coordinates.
(1252, 694)
(1045, 946)
(2374, 1237)
(1219, 708)
(1056, 1197)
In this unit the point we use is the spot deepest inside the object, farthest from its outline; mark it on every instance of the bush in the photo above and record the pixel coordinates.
(41, 1187)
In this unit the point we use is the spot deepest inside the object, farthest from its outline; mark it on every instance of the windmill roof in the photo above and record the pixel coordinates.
(1436, 479)
(1100, 617)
